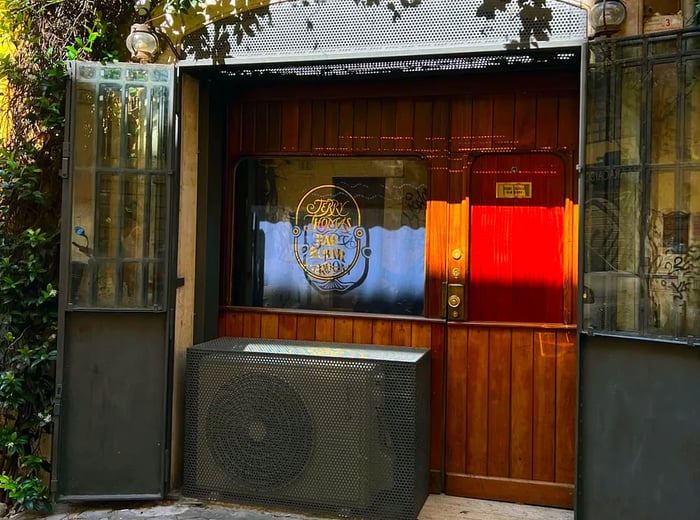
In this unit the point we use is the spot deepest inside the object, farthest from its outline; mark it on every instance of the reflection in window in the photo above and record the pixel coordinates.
(641, 244)
(330, 233)
(121, 125)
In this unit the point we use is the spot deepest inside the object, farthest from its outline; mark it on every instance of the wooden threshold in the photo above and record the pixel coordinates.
(514, 490)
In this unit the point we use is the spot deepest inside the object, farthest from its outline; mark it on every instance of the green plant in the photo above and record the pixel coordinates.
(27, 493)
(45, 32)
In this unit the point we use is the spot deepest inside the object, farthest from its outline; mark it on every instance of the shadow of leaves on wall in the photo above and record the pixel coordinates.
(534, 15)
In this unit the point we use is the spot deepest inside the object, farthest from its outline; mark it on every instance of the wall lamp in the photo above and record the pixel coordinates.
(142, 43)
(607, 16)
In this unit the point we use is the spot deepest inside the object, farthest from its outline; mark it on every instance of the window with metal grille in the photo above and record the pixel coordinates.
(641, 241)
(120, 186)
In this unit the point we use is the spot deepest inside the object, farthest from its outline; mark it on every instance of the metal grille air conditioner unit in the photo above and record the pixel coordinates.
(335, 428)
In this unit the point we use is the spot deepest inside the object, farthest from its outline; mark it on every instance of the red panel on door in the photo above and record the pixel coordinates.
(516, 271)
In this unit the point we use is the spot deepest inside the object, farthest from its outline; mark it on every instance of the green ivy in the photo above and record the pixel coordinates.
(47, 33)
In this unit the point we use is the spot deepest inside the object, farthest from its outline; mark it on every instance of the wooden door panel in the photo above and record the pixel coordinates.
(521, 426)
(508, 435)
(516, 238)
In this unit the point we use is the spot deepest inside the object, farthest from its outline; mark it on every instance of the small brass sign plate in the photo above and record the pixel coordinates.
(513, 190)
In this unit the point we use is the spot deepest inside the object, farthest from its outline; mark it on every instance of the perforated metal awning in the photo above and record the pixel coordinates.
(300, 36)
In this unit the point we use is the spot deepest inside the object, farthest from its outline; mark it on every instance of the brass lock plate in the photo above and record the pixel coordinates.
(453, 301)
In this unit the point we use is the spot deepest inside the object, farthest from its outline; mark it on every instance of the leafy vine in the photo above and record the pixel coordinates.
(43, 34)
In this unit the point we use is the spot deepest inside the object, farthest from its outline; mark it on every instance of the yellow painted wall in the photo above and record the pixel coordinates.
(6, 47)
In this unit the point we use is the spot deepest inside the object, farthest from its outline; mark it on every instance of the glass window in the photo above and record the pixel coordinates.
(119, 179)
(342, 233)
(641, 241)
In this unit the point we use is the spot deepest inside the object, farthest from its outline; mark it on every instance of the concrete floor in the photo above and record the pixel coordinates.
(443, 507)
(437, 507)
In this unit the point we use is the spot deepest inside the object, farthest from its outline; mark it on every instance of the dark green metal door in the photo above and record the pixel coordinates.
(111, 400)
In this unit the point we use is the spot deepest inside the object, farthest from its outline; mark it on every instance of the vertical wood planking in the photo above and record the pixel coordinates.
(362, 330)
(305, 126)
(401, 333)
(230, 324)
(404, 125)
(461, 125)
(569, 243)
(503, 121)
(288, 326)
(482, 122)
(269, 326)
(359, 125)
(381, 332)
(251, 325)
(574, 212)
(290, 126)
(343, 330)
(477, 400)
(324, 329)
(248, 122)
(565, 407)
(318, 130)
(499, 388)
(420, 335)
(525, 121)
(521, 404)
(374, 125)
(547, 118)
(274, 126)
(262, 133)
(388, 125)
(568, 128)
(345, 126)
(331, 125)
(544, 400)
(423, 127)
(306, 327)
(457, 368)
(233, 138)
(437, 399)
(441, 132)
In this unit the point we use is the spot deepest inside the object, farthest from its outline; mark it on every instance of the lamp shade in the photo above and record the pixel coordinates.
(607, 16)
(142, 43)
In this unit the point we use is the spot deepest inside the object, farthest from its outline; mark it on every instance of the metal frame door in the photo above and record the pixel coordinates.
(111, 414)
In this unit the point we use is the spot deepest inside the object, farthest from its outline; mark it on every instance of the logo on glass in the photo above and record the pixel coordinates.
(330, 244)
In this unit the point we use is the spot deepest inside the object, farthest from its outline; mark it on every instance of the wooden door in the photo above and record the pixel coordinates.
(510, 402)
(503, 385)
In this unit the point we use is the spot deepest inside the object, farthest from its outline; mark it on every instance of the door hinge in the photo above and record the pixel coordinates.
(57, 401)
(65, 164)
(65, 159)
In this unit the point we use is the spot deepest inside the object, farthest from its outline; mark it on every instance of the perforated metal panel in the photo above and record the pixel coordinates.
(344, 29)
(338, 429)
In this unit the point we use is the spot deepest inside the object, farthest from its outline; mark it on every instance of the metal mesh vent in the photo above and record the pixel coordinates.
(344, 29)
(262, 442)
(338, 429)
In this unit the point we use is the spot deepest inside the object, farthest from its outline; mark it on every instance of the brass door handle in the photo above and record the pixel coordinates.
(454, 301)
